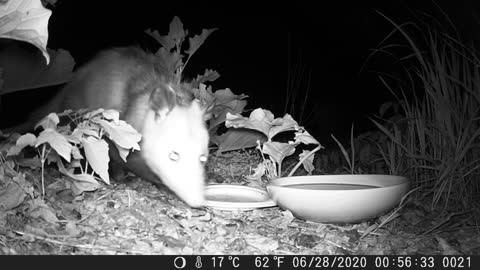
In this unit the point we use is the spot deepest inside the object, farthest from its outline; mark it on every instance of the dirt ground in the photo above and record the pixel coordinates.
(137, 217)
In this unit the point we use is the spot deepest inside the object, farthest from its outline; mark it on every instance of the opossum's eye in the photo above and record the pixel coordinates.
(161, 114)
(203, 159)
(174, 156)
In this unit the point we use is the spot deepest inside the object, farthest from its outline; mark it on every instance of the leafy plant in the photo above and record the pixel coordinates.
(225, 101)
(216, 104)
(61, 144)
(171, 51)
(263, 121)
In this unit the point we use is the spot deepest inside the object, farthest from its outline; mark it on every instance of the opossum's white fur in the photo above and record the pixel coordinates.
(178, 156)
(174, 142)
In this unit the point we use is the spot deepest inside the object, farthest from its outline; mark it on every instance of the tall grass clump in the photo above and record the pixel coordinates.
(298, 86)
(435, 141)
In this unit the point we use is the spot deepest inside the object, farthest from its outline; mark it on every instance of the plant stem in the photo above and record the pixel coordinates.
(303, 159)
(43, 170)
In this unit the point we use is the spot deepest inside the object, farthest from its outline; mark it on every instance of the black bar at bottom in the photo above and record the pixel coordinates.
(251, 262)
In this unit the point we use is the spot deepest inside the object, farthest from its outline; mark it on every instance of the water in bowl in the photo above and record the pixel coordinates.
(330, 186)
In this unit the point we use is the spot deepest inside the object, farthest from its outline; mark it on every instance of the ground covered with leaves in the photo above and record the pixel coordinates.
(137, 217)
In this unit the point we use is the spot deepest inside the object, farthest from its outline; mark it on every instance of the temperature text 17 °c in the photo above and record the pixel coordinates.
(219, 262)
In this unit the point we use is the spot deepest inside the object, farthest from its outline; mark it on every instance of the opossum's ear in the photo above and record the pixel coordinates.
(162, 101)
(162, 98)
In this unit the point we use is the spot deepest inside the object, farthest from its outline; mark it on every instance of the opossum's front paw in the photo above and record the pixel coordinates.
(117, 172)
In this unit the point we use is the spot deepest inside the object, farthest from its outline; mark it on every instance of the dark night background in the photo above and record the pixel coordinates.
(250, 50)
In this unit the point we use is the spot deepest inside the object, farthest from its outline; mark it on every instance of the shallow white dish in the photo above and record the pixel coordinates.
(338, 198)
(232, 197)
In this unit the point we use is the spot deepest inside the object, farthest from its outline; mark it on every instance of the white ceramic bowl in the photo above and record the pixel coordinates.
(338, 198)
(236, 197)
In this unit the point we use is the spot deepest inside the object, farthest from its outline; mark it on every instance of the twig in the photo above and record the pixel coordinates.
(445, 220)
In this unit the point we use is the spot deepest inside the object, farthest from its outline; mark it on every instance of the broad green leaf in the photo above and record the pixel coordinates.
(76, 153)
(259, 119)
(26, 20)
(278, 151)
(96, 152)
(122, 134)
(263, 121)
(57, 141)
(176, 35)
(208, 75)
(226, 102)
(280, 125)
(197, 41)
(112, 115)
(23, 141)
(235, 139)
(85, 129)
(304, 137)
(176, 31)
(50, 121)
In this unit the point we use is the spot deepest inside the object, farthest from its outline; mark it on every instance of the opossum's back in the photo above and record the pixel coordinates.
(124, 79)
(112, 79)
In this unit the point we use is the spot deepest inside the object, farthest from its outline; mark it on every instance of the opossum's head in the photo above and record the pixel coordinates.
(175, 145)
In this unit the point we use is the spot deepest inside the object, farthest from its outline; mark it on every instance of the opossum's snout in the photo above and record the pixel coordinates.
(190, 190)
(176, 149)
(194, 200)
(186, 174)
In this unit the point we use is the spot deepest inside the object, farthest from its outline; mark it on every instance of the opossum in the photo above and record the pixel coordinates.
(174, 145)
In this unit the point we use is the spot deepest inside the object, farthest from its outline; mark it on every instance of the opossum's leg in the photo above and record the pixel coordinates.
(116, 165)
(135, 164)
(117, 171)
